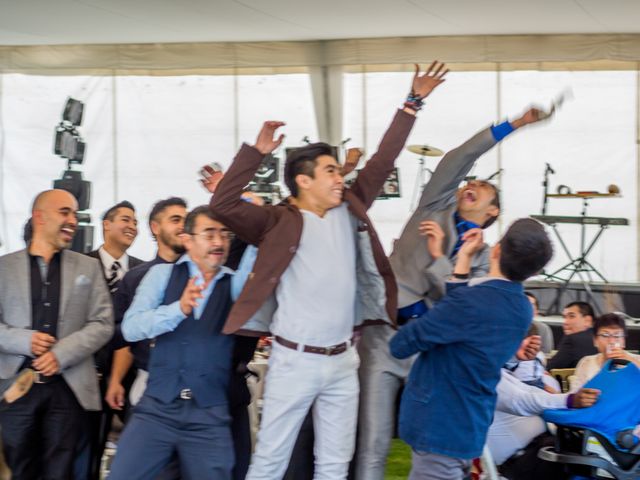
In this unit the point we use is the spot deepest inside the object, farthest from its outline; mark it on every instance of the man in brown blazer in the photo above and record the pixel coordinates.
(320, 272)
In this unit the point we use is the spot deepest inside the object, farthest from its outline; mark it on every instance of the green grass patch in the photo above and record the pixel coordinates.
(398, 461)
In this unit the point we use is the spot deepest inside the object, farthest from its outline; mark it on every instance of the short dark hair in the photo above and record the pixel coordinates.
(161, 205)
(609, 320)
(524, 249)
(532, 296)
(112, 212)
(190, 222)
(302, 161)
(584, 307)
(27, 231)
(495, 202)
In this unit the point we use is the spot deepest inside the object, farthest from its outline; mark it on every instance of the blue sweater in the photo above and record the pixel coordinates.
(448, 403)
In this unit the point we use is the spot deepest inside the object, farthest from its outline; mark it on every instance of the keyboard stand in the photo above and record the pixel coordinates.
(579, 265)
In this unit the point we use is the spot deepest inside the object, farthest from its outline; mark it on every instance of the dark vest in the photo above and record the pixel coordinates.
(196, 354)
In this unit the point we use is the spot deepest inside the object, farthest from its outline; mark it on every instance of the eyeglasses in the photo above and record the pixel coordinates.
(210, 234)
(611, 335)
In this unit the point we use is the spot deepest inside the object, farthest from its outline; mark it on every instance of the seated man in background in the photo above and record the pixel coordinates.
(463, 342)
(577, 341)
(609, 334)
(518, 432)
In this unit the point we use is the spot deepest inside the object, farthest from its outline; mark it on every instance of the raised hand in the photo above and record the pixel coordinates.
(435, 237)
(351, 162)
(532, 115)
(210, 178)
(424, 84)
(190, 296)
(472, 242)
(266, 143)
(529, 348)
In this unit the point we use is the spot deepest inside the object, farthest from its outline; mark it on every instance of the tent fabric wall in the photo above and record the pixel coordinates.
(152, 107)
(180, 58)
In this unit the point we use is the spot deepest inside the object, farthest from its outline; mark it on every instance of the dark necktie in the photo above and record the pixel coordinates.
(113, 280)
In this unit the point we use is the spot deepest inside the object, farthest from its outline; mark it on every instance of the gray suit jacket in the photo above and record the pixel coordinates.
(85, 320)
(418, 275)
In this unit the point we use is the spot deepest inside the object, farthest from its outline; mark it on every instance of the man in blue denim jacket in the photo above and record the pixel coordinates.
(464, 340)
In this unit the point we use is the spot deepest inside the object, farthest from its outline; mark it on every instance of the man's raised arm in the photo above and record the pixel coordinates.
(372, 177)
(457, 163)
(245, 219)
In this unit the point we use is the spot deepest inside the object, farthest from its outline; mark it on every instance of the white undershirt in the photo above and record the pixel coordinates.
(107, 260)
(317, 293)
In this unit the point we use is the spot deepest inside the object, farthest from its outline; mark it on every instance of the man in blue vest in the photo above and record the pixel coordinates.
(184, 410)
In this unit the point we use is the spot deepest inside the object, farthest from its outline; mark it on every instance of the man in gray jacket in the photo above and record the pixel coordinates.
(55, 312)
(444, 214)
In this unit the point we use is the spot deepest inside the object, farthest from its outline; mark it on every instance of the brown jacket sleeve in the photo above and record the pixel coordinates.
(245, 219)
(372, 177)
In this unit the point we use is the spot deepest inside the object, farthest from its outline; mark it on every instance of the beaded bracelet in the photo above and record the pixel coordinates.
(414, 102)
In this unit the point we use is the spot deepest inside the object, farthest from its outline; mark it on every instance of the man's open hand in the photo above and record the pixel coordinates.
(424, 84)
(266, 141)
(190, 296)
(210, 178)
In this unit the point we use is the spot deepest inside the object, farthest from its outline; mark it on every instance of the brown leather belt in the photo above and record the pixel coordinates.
(332, 350)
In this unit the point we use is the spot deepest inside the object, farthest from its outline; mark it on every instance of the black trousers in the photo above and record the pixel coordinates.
(529, 467)
(40, 432)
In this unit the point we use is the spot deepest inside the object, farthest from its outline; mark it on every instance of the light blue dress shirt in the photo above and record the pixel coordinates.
(148, 318)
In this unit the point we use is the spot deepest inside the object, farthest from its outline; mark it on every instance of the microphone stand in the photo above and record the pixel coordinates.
(545, 184)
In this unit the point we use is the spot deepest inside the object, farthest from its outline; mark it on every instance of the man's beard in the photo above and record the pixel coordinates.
(175, 245)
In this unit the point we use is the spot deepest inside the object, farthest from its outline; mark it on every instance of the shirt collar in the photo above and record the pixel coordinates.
(194, 268)
(107, 259)
(478, 280)
(463, 225)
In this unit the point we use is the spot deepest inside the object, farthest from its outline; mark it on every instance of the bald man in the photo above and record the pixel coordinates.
(55, 312)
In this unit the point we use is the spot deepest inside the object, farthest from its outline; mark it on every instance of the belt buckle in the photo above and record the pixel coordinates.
(328, 351)
(37, 377)
(186, 394)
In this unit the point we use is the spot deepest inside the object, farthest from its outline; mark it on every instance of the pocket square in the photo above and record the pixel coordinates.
(82, 280)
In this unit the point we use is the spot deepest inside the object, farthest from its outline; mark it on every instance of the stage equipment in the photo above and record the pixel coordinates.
(578, 265)
(423, 151)
(266, 181)
(69, 144)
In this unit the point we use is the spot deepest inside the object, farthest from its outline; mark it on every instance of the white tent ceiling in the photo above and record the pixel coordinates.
(46, 22)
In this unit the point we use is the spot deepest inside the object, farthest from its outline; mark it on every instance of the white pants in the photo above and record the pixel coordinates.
(295, 382)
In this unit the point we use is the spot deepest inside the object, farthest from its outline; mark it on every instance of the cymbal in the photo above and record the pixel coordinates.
(425, 150)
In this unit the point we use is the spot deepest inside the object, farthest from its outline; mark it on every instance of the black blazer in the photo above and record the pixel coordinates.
(133, 261)
(572, 348)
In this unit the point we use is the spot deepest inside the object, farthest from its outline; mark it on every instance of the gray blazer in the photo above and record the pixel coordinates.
(85, 320)
(418, 275)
